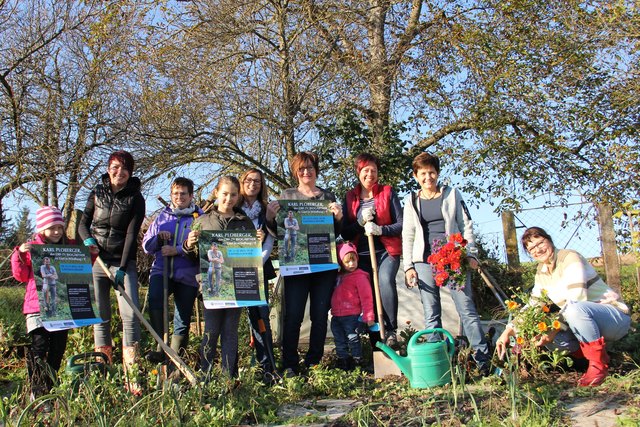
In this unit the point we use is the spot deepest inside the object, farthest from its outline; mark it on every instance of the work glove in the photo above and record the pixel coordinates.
(366, 215)
(90, 241)
(119, 279)
(372, 229)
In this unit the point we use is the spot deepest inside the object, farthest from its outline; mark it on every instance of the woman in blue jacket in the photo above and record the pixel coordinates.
(164, 240)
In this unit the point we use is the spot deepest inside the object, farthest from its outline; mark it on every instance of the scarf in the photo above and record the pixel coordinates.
(184, 212)
(252, 211)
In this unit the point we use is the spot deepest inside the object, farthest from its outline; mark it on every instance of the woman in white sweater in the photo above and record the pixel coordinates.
(592, 311)
(432, 214)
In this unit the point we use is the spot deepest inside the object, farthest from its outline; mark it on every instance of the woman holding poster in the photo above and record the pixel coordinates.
(220, 323)
(317, 286)
(253, 201)
(374, 209)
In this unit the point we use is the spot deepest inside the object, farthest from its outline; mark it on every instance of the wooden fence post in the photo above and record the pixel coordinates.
(609, 246)
(510, 239)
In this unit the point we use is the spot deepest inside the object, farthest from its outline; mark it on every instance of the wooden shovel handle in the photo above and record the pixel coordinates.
(376, 284)
(188, 373)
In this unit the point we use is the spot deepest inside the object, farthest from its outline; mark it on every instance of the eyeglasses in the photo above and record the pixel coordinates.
(309, 169)
(537, 247)
(180, 193)
(116, 168)
(252, 181)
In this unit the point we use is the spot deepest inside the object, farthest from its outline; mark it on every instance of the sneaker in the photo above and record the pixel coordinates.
(391, 340)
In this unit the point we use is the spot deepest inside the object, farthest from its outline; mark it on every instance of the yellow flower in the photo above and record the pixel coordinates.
(545, 308)
(556, 324)
(154, 372)
(542, 326)
(519, 340)
(511, 305)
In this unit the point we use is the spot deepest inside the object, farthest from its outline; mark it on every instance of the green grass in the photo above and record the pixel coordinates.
(518, 397)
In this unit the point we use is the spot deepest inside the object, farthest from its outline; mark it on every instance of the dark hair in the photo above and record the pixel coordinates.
(123, 157)
(183, 182)
(424, 160)
(531, 233)
(263, 195)
(363, 159)
(304, 157)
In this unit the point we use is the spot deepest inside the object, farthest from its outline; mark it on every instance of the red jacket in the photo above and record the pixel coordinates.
(353, 296)
(382, 202)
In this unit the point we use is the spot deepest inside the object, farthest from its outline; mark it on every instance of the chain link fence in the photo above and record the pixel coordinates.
(573, 226)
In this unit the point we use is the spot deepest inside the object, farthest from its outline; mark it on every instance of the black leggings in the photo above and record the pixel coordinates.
(44, 358)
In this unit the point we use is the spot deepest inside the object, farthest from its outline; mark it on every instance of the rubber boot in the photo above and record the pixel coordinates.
(179, 345)
(107, 350)
(129, 365)
(596, 353)
(156, 318)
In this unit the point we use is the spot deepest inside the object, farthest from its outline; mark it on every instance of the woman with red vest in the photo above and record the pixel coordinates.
(374, 209)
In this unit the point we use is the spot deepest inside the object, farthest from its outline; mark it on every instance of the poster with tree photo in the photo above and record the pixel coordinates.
(306, 238)
(231, 269)
(65, 286)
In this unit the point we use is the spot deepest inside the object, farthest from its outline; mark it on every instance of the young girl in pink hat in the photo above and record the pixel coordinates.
(352, 298)
(47, 348)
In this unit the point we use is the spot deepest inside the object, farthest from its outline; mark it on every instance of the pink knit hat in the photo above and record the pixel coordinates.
(48, 216)
(345, 248)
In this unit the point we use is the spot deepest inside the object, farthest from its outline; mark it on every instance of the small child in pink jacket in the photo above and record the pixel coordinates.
(47, 348)
(351, 298)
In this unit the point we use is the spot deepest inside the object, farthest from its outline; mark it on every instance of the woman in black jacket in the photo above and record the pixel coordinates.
(111, 222)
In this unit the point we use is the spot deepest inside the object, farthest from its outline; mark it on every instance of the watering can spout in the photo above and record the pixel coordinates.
(402, 362)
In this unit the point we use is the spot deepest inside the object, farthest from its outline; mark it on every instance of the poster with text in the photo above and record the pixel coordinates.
(65, 286)
(306, 239)
(231, 269)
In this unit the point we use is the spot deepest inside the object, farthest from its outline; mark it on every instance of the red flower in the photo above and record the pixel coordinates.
(446, 261)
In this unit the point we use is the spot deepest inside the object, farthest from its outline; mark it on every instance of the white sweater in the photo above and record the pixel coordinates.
(456, 220)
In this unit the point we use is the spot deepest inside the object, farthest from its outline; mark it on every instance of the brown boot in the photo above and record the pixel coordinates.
(596, 353)
(129, 365)
(107, 350)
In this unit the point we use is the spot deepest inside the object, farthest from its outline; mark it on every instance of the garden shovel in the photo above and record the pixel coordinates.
(382, 364)
(186, 371)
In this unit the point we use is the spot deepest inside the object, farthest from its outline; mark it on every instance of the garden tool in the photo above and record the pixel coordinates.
(175, 358)
(165, 295)
(382, 365)
(492, 285)
(427, 364)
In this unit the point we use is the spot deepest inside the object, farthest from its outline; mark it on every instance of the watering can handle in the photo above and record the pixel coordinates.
(73, 359)
(450, 340)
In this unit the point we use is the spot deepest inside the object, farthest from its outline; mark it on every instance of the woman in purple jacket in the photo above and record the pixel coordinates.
(164, 240)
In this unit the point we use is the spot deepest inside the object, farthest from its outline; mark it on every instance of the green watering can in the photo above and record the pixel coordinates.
(81, 365)
(427, 364)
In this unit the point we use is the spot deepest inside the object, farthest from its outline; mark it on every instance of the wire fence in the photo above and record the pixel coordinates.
(571, 226)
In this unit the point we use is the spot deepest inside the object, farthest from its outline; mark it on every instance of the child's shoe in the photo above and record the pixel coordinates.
(343, 363)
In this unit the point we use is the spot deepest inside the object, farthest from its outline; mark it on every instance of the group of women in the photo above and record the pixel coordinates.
(115, 211)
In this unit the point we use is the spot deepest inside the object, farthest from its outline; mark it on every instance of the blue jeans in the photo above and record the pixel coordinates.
(130, 324)
(466, 308)
(345, 336)
(387, 271)
(183, 295)
(297, 289)
(588, 321)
